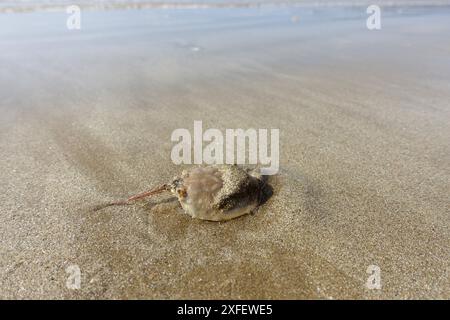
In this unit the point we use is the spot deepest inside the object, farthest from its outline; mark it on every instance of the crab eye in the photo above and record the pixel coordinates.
(182, 193)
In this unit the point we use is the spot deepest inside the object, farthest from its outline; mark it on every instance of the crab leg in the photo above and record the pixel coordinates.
(145, 194)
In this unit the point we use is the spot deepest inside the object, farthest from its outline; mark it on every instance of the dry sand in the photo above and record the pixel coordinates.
(86, 116)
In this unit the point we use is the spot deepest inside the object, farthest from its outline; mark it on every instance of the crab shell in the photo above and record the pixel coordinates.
(217, 193)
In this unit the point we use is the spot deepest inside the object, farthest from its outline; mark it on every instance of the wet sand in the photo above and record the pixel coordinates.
(365, 160)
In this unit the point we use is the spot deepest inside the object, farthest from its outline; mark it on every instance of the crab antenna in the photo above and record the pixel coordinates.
(157, 190)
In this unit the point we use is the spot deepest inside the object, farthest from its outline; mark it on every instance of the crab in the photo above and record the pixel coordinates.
(215, 192)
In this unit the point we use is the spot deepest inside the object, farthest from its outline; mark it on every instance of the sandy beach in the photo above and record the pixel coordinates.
(364, 120)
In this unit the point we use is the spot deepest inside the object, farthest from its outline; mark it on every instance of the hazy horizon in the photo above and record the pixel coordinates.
(34, 5)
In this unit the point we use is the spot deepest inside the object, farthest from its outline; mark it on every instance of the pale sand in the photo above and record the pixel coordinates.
(86, 117)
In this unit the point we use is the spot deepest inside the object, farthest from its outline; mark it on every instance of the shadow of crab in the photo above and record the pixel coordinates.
(266, 191)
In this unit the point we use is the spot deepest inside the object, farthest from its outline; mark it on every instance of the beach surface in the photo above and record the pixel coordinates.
(364, 120)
